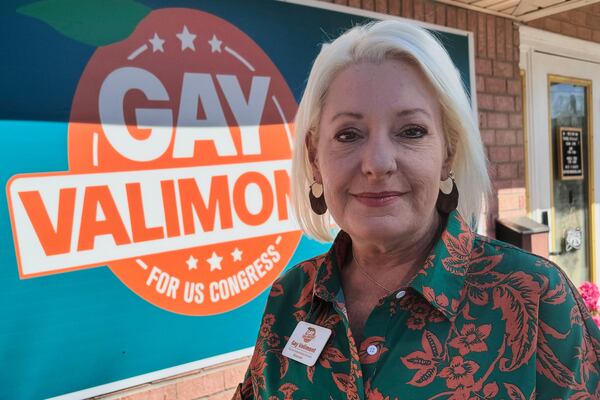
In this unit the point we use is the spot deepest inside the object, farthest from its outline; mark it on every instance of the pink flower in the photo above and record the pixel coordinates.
(596, 319)
(590, 294)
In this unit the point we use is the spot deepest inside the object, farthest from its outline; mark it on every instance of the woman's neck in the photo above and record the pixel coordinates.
(395, 263)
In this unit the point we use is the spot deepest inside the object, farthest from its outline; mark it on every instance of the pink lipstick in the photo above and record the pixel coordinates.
(377, 199)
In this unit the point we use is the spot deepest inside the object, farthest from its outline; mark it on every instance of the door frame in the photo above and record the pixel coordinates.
(583, 54)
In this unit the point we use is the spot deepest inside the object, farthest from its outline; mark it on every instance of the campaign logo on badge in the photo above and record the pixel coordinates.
(179, 147)
(309, 335)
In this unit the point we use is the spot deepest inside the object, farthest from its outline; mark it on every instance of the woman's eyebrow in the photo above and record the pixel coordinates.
(413, 111)
(403, 113)
(348, 114)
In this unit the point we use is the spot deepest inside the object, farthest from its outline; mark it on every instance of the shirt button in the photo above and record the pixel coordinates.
(372, 350)
(400, 294)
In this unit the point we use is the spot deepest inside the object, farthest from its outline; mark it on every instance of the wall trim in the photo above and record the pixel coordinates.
(129, 383)
(556, 9)
(554, 43)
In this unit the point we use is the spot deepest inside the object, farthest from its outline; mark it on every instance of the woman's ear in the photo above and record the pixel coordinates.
(311, 148)
(449, 154)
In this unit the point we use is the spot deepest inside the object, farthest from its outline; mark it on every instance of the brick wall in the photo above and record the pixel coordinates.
(499, 101)
(213, 383)
(582, 23)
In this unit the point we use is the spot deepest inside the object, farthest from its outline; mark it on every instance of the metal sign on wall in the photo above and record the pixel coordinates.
(146, 153)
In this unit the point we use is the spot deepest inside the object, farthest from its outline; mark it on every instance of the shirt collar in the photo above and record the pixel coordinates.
(440, 280)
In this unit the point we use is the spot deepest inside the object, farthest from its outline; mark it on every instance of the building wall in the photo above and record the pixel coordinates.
(498, 87)
(212, 383)
(582, 23)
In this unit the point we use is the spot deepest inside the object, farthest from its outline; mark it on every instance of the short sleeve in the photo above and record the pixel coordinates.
(568, 343)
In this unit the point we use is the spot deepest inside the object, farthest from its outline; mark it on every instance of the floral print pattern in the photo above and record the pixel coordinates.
(480, 320)
(459, 373)
(471, 338)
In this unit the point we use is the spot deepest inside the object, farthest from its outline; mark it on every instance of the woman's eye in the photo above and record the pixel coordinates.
(414, 132)
(346, 136)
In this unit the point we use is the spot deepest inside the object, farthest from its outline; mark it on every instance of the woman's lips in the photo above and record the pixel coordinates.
(377, 199)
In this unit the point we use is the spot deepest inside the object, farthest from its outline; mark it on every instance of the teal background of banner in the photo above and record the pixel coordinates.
(67, 332)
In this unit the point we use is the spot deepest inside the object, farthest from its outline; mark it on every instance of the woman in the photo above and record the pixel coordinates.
(409, 303)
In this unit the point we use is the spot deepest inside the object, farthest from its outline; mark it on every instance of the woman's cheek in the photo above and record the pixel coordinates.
(427, 187)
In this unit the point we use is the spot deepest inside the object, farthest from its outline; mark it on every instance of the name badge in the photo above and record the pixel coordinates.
(306, 343)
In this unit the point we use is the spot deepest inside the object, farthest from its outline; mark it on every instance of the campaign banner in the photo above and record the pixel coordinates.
(146, 149)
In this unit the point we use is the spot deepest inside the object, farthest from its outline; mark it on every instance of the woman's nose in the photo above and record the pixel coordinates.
(378, 156)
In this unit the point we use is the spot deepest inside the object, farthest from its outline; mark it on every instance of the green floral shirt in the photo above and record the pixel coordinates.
(480, 320)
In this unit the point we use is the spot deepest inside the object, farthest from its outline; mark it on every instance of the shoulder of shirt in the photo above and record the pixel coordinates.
(495, 246)
(292, 286)
(302, 271)
(516, 259)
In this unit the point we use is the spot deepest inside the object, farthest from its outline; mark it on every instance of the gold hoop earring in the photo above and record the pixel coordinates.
(316, 198)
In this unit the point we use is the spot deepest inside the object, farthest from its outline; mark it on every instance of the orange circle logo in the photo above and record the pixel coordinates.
(183, 133)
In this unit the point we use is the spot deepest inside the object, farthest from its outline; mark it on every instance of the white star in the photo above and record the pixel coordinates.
(214, 261)
(237, 254)
(187, 39)
(215, 44)
(192, 263)
(157, 43)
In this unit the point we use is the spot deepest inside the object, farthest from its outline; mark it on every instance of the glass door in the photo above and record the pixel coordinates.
(569, 131)
(563, 108)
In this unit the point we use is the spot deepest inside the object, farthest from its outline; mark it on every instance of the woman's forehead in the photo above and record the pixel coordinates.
(393, 85)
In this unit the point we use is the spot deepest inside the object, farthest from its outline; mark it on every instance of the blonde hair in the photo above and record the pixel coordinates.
(377, 42)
